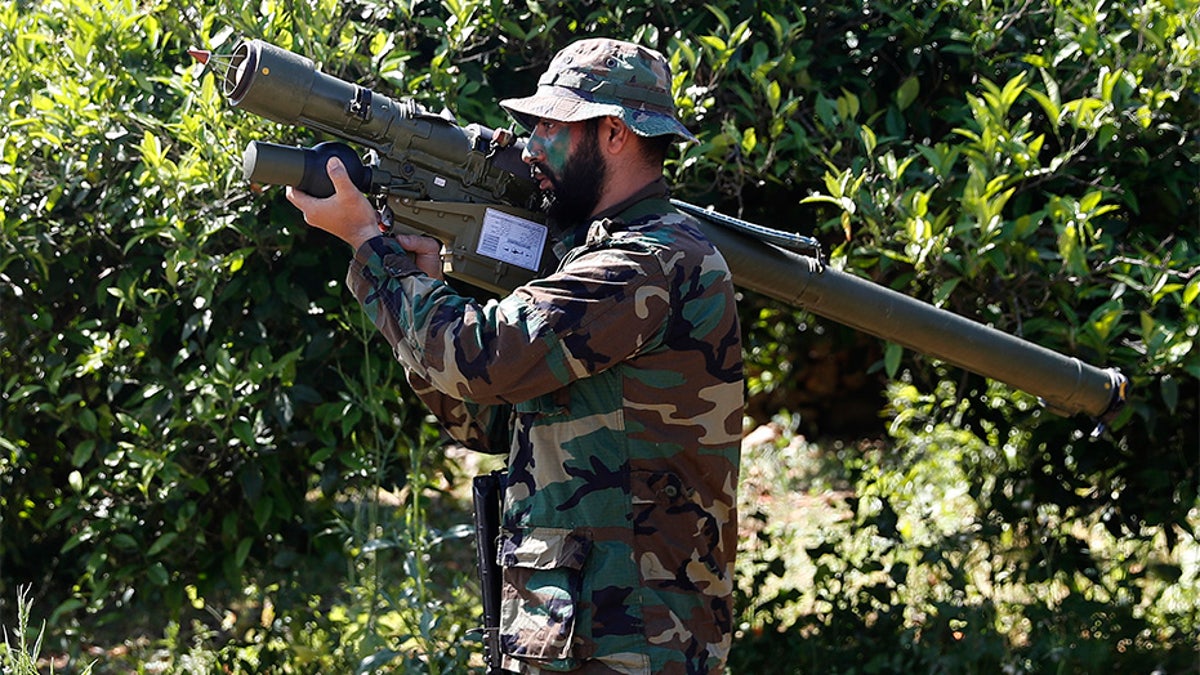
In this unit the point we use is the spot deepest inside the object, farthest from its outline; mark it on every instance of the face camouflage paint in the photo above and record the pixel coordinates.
(574, 179)
(552, 141)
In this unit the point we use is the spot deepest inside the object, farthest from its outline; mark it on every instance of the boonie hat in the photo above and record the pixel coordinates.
(597, 77)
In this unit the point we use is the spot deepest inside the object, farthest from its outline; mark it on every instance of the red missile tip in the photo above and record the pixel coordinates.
(200, 55)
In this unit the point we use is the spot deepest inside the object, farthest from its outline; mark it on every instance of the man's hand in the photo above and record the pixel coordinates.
(345, 214)
(427, 252)
(348, 215)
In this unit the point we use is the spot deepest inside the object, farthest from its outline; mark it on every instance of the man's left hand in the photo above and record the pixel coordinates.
(345, 214)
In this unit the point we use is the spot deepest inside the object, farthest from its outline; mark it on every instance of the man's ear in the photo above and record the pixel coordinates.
(615, 135)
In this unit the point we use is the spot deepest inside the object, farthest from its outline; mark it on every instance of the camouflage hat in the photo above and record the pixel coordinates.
(598, 77)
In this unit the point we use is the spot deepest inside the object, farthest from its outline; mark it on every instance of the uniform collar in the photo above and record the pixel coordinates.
(654, 190)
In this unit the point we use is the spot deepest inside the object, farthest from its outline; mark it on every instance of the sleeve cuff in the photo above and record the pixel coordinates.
(386, 257)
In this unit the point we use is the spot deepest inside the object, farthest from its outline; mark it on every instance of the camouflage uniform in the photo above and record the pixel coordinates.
(615, 386)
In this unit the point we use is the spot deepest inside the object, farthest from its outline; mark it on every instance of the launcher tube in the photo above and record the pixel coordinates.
(1064, 383)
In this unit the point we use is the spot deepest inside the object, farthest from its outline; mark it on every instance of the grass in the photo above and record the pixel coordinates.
(24, 658)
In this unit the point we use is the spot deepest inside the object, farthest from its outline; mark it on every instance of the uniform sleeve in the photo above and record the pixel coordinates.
(376, 279)
(603, 305)
(483, 428)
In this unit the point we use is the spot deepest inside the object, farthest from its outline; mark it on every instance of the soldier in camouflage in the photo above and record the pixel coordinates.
(614, 384)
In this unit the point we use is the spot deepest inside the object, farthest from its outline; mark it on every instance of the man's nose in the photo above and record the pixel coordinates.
(532, 152)
(529, 154)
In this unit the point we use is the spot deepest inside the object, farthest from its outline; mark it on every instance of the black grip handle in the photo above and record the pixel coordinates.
(315, 180)
(487, 492)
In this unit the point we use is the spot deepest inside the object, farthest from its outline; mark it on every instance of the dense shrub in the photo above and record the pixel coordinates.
(187, 395)
(187, 392)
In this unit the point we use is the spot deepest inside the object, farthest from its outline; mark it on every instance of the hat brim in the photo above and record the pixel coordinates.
(564, 105)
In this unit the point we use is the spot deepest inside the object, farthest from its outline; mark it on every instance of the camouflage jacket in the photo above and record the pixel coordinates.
(615, 385)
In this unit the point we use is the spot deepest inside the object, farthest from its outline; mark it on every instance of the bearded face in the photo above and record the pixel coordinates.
(576, 179)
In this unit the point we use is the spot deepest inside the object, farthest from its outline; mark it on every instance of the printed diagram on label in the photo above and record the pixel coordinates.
(512, 239)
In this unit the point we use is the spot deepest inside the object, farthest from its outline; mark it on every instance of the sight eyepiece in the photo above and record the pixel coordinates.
(302, 168)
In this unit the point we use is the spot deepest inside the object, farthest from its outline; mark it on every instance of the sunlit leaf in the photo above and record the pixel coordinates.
(1191, 291)
(868, 139)
(908, 92)
(891, 359)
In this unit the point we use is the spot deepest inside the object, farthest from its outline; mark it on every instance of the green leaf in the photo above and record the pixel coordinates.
(1144, 116)
(868, 139)
(161, 543)
(1191, 291)
(229, 526)
(848, 105)
(943, 291)
(263, 509)
(774, 94)
(749, 141)
(891, 359)
(713, 42)
(1148, 326)
(1012, 90)
(152, 151)
(1104, 321)
(83, 452)
(379, 545)
(1052, 108)
(243, 551)
(1170, 392)
(77, 539)
(157, 573)
(907, 93)
(66, 607)
(373, 662)
(24, 392)
(124, 541)
(844, 203)
(721, 16)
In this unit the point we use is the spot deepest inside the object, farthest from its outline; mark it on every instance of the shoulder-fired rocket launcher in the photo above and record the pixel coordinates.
(467, 186)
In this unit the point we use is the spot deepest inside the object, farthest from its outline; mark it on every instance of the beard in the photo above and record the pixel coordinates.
(576, 191)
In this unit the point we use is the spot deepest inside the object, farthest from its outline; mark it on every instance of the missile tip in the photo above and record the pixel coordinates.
(200, 55)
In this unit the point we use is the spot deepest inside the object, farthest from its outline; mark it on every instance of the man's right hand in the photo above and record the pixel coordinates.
(427, 252)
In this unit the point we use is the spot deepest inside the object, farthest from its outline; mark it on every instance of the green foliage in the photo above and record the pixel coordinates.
(187, 393)
(910, 558)
(23, 659)
(191, 417)
(1028, 166)
(145, 402)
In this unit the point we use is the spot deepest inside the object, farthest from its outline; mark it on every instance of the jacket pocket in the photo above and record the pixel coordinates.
(675, 537)
(540, 597)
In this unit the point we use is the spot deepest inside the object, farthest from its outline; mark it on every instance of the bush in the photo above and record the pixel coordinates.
(188, 397)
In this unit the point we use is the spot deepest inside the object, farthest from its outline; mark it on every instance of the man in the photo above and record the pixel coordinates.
(614, 384)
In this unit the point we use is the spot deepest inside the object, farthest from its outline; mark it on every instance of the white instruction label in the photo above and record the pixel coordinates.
(512, 239)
